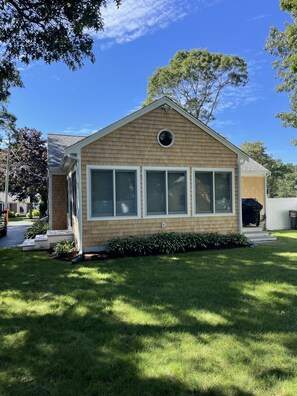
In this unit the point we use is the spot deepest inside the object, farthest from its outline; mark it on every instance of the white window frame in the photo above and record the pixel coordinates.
(89, 194)
(213, 171)
(158, 136)
(144, 191)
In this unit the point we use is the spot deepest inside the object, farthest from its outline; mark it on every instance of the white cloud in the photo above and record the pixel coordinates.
(136, 18)
(84, 130)
(257, 17)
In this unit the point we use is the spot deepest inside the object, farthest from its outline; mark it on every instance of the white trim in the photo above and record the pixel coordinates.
(214, 214)
(165, 130)
(239, 196)
(89, 168)
(265, 200)
(158, 103)
(79, 204)
(144, 191)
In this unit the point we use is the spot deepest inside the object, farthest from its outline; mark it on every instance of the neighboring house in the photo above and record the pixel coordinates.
(158, 169)
(14, 205)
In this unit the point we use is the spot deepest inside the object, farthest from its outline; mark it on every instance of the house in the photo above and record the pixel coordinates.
(14, 205)
(158, 169)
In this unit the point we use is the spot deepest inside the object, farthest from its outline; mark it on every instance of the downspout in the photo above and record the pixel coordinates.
(239, 195)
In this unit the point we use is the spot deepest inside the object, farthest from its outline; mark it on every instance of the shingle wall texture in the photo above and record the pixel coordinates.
(59, 206)
(135, 144)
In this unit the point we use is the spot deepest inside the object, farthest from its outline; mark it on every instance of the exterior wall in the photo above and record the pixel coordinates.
(59, 203)
(253, 187)
(135, 144)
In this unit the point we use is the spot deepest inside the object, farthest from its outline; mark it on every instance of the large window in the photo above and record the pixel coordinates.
(213, 192)
(166, 192)
(113, 193)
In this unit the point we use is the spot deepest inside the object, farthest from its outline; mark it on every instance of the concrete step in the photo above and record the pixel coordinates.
(262, 234)
(41, 242)
(258, 241)
(251, 230)
(55, 236)
(28, 244)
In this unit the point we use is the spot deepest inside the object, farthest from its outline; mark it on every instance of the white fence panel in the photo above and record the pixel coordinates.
(277, 212)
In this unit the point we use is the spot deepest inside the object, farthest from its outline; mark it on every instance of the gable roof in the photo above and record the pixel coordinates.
(251, 167)
(158, 103)
(56, 145)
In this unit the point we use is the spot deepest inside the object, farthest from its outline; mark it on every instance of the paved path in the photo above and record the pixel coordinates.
(15, 234)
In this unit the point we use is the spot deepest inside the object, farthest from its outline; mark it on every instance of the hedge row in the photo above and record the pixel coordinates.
(173, 242)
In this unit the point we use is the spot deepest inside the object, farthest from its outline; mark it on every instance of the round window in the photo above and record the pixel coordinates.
(165, 138)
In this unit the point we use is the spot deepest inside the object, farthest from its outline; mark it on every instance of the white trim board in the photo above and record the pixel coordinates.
(89, 168)
(163, 101)
(144, 192)
(213, 214)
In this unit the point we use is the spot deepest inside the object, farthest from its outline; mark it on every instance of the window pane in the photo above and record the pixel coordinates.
(102, 193)
(223, 188)
(126, 193)
(155, 193)
(204, 192)
(177, 193)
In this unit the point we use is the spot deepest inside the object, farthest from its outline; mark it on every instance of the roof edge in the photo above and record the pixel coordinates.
(144, 110)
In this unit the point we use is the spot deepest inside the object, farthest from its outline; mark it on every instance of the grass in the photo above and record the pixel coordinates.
(207, 323)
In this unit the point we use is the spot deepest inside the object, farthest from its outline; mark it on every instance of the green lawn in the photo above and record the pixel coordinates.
(208, 323)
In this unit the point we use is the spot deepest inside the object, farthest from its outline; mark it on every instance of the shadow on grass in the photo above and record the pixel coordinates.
(85, 330)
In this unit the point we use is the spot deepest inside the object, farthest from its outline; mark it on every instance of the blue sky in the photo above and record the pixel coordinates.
(143, 35)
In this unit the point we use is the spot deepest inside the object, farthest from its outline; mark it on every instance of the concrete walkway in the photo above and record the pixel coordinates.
(15, 234)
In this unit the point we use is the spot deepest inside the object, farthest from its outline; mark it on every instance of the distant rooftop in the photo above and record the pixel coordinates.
(253, 166)
(56, 147)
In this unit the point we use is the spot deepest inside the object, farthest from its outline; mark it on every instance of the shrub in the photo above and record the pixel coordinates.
(173, 242)
(63, 250)
(35, 213)
(37, 228)
(11, 214)
(16, 214)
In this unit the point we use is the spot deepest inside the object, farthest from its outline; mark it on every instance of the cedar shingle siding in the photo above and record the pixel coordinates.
(136, 144)
(59, 206)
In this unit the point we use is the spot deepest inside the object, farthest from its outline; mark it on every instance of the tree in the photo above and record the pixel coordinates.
(283, 177)
(9, 77)
(196, 79)
(283, 45)
(50, 30)
(28, 165)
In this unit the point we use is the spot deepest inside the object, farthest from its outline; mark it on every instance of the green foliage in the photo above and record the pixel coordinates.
(16, 214)
(283, 177)
(35, 213)
(28, 164)
(49, 30)
(283, 45)
(173, 242)
(11, 214)
(63, 250)
(37, 228)
(196, 79)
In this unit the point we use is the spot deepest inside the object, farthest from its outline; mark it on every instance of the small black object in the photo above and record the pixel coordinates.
(77, 259)
(251, 211)
(293, 218)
